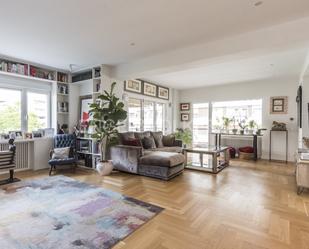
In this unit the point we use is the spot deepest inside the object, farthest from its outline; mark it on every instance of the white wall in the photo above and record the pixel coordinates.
(86, 88)
(256, 90)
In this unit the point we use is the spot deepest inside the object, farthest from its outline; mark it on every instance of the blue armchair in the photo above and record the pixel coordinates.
(62, 141)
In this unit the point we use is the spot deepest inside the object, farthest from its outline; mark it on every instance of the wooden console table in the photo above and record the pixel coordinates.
(253, 136)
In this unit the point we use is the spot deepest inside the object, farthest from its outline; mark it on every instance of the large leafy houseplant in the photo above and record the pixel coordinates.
(108, 114)
(185, 135)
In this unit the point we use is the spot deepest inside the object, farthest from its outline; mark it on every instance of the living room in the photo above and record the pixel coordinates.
(154, 124)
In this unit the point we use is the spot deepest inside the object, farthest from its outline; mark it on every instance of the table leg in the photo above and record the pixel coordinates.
(186, 157)
(214, 162)
(255, 147)
(201, 160)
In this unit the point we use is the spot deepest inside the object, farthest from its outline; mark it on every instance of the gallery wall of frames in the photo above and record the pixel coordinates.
(147, 89)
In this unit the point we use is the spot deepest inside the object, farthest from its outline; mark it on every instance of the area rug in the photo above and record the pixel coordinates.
(60, 212)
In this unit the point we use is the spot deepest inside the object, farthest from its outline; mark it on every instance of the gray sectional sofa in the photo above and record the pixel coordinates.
(149, 154)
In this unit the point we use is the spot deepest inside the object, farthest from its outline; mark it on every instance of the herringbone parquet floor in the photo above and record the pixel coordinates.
(248, 206)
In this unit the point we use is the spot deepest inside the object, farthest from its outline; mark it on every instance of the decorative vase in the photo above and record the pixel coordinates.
(241, 132)
(250, 132)
(104, 168)
(234, 131)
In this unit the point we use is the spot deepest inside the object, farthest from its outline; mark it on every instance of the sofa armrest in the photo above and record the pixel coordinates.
(178, 143)
(126, 158)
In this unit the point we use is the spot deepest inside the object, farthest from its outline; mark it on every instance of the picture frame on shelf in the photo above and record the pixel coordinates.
(133, 86)
(185, 107)
(84, 107)
(163, 93)
(279, 105)
(150, 89)
(185, 117)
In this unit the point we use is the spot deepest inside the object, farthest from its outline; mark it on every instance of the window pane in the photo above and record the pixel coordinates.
(160, 116)
(148, 116)
(37, 111)
(10, 110)
(134, 113)
(200, 124)
(237, 111)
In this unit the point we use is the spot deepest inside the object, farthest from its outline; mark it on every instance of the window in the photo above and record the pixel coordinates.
(160, 116)
(237, 111)
(135, 114)
(145, 115)
(37, 111)
(200, 124)
(149, 124)
(18, 103)
(10, 110)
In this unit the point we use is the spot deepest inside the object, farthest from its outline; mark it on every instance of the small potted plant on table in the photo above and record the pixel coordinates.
(242, 125)
(108, 114)
(252, 124)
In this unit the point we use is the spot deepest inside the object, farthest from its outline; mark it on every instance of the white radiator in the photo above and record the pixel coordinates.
(22, 157)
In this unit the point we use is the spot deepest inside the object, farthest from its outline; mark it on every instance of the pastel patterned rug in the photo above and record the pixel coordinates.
(60, 212)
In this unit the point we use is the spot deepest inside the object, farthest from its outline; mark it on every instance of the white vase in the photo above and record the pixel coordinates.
(104, 168)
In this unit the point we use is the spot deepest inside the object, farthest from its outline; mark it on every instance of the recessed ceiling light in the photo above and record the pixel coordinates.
(259, 3)
(132, 44)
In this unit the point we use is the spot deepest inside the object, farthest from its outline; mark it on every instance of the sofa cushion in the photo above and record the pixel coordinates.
(126, 136)
(149, 143)
(174, 149)
(141, 135)
(132, 142)
(158, 137)
(168, 140)
(164, 159)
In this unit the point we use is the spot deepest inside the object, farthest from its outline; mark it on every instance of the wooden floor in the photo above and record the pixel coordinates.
(247, 205)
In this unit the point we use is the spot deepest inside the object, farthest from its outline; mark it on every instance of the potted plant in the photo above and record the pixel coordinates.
(234, 130)
(226, 123)
(252, 124)
(242, 125)
(108, 114)
(185, 135)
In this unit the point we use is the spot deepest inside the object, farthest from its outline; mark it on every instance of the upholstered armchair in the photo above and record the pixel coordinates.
(7, 162)
(63, 141)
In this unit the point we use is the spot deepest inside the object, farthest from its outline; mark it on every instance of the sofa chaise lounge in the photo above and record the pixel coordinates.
(149, 154)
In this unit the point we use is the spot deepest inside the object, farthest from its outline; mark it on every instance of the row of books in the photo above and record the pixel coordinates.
(11, 67)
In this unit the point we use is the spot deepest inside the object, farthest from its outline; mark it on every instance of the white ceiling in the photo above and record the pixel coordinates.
(88, 32)
(287, 64)
(63, 32)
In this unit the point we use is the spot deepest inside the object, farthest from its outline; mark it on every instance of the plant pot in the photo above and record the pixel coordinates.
(241, 132)
(234, 131)
(104, 168)
(250, 132)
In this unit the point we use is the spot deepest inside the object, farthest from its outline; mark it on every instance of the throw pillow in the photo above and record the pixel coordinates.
(158, 137)
(132, 142)
(168, 141)
(149, 143)
(61, 153)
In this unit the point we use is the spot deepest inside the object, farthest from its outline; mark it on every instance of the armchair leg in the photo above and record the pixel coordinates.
(11, 175)
(51, 169)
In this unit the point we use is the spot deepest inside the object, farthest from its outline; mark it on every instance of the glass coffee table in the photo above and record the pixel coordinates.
(211, 159)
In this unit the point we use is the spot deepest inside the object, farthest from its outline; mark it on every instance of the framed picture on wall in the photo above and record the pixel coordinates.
(185, 117)
(185, 107)
(163, 92)
(279, 105)
(133, 86)
(150, 89)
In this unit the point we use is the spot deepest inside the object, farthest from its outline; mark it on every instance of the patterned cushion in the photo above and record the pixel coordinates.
(149, 143)
(61, 153)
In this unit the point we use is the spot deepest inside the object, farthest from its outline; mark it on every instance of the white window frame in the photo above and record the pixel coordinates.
(24, 104)
(142, 101)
